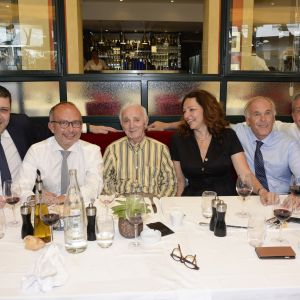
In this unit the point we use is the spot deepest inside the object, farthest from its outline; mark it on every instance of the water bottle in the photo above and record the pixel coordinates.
(220, 226)
(75, 221)
(91, 211)
(213, 219)
(27, 228)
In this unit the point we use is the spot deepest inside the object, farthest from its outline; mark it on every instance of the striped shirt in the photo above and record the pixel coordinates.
(146, 167)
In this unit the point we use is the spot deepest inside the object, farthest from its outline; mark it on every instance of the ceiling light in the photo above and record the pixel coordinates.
(172, 1)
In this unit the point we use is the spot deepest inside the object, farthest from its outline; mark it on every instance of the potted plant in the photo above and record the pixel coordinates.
(126, 229)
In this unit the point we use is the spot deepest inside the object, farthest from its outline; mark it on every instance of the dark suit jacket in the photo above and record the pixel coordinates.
(25, 132)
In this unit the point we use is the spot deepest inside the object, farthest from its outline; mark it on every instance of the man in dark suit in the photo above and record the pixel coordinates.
(17, 132)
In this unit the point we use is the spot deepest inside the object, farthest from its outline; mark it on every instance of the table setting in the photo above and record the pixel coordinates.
(188, 262)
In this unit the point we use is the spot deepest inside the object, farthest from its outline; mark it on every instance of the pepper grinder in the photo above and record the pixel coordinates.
(27, 228)
(213, 219)
(220, 226)
(91, 211)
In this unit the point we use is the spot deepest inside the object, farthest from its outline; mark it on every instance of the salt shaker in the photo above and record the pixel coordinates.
(214, 204)
(27, 228)
(220, 226)
(91, 211)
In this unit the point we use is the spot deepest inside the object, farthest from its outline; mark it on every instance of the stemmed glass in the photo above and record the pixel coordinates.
(50, 212)
(11, 193)
(282, 210)
(135, 211)
(108, 197)
(295, 191)
(244, 188)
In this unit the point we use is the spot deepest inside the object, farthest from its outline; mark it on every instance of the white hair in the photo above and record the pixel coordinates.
(132, 104)
(248, 104)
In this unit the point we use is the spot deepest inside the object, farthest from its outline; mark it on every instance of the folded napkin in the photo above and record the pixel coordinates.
(49, 271)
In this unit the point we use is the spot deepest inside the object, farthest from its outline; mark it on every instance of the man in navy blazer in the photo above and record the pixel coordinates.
(17, 132)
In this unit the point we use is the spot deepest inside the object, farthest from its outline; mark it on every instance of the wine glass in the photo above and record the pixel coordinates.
(11, 193)
(295, 191)
(135, 211)
(282, 210)
(244, 188)
(50, 212)
(109, 196)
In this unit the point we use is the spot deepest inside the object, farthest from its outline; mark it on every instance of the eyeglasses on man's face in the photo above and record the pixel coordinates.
(65, 124)
(189, 260)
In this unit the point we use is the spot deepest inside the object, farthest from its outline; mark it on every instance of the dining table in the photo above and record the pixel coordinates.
(229, 267)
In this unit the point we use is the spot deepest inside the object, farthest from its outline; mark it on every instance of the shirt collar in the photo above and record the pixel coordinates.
(138, 146)
(266, 140)
(56, 147)
(5, 134)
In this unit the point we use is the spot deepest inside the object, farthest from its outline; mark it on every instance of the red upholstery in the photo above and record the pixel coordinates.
(103, 140)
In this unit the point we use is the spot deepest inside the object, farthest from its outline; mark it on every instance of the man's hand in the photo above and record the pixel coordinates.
(268, 198)
(102, 129)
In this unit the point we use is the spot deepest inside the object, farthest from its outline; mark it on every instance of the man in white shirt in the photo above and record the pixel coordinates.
(65, 123)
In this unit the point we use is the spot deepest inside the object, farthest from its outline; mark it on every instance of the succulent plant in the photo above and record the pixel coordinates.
(119, 209)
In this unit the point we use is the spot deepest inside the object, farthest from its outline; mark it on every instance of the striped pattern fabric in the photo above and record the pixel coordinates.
(259, 166)
(146, 167)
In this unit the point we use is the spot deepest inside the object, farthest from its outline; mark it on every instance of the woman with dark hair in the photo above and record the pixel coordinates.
(205, 151)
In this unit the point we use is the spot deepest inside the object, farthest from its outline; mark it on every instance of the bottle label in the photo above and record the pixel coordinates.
(74, 224)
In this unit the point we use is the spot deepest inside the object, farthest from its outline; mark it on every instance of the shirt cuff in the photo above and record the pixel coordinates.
(84, 128)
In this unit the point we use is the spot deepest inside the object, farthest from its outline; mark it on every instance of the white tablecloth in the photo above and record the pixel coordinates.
(229, 267)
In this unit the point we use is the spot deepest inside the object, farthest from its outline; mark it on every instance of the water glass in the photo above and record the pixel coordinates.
(207, 197)
(256, 230)
(105, 230)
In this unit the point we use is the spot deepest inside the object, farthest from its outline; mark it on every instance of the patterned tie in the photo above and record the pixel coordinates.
(4, 169)
(260, 172)
(64, 172)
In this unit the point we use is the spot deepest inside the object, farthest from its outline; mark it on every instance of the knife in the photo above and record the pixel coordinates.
(232, 226)
(153, 204)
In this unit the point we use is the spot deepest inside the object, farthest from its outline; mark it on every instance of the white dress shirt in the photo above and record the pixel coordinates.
(280, 153)
(290, 128)
(85, 157)
(12, 155)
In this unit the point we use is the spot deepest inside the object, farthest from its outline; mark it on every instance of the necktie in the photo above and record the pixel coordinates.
(260, 172)
(64, 172)
(4, 169)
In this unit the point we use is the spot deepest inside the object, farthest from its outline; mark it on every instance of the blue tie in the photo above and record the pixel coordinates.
(4, 169)
(260, 172)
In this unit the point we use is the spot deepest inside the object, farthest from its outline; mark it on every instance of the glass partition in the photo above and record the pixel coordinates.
(264, 35)
(103, 98)
(238, 93)
(33, 98)
(164, 98)
(27, 36)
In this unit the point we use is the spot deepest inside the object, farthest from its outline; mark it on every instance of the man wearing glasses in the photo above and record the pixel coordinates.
(60, 153)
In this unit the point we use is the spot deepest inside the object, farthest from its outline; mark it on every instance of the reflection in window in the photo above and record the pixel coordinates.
(103, 98)
(238, 93)
(265, 35)
(164, 98)
(27, 40)
(33, 98)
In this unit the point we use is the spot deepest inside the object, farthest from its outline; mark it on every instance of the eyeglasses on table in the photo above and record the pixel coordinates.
(188, 260)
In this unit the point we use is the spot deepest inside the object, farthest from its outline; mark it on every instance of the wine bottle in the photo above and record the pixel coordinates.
(41, 230)
(75, 219)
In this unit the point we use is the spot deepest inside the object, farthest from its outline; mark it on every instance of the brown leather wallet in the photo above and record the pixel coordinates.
(286, 252)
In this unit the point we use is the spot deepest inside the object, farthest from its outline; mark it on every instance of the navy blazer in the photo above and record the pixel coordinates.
(24, 132)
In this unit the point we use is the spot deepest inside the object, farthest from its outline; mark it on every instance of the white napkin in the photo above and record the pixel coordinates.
(49, 271)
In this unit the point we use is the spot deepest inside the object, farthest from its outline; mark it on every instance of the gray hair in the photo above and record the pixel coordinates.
(132, 104)
(250, 101)
(294, 99)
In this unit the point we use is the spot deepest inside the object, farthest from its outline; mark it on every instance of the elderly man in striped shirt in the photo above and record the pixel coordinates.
(137, 163)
